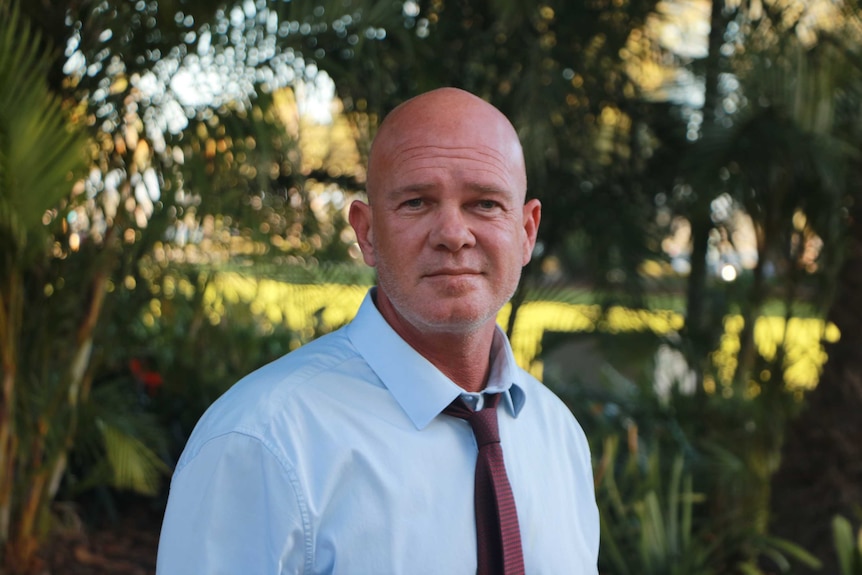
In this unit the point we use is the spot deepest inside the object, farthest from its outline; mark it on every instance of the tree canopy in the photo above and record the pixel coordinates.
(705, 151)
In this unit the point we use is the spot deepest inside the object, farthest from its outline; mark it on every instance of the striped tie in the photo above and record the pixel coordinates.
(498, 536)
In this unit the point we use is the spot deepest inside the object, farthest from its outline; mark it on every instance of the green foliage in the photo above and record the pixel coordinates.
(555, 69)
(40, 150)
(193, 354)
(682, 477)
(647, 515)
(120, 444)
(41, 154)
(848, 547)
(611, 164)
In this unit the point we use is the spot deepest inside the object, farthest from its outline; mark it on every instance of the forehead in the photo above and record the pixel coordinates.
(428, 164)
(476, 148)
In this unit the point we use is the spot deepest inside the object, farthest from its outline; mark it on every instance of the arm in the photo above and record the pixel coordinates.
(233, 509)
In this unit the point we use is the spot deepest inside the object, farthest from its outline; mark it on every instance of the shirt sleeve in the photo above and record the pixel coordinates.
(233, 509)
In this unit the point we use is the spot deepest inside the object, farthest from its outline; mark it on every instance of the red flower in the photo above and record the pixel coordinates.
(150, 379)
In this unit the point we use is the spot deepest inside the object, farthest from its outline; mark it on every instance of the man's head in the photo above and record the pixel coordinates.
(446, 225)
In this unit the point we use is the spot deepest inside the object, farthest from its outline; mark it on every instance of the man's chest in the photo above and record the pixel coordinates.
(388, 504)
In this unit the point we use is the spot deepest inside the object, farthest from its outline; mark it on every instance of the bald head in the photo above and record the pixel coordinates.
(449, 119)
(447, 226)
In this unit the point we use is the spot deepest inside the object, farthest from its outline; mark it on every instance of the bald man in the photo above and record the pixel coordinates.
(345, 456)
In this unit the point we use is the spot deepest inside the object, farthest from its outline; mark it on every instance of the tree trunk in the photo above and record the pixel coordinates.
(10, 322)
(48, 466)
(821, 470)
(698, 317)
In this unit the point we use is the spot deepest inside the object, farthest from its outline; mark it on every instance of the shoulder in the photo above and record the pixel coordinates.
(547, 421)
(264, 404)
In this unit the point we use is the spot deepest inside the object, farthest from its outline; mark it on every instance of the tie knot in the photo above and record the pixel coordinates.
(483, 422)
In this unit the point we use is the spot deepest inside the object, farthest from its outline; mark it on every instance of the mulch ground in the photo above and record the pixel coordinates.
(124, 546)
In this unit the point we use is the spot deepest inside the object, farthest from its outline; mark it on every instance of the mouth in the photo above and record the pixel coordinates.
(453, 272)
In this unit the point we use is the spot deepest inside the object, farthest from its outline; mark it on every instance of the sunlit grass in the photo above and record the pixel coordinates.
(800, 338)
(305, 308)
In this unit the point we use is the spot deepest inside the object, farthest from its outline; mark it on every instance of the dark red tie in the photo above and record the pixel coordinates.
(498, 536)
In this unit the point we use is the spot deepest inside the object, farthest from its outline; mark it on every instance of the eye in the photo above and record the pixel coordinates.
(487, 204)
(413, 203)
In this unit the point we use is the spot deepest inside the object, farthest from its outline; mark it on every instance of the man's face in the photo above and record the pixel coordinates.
(449, 230)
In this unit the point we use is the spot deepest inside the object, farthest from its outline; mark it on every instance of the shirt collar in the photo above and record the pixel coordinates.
(417, 385)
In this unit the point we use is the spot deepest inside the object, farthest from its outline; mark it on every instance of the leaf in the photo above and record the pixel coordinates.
(40, 148)
(610, 549)
(673, 503)
(135, 465)
(654, 546)
(798, 553)
(749, 569)
(842, 535)
(793, 550)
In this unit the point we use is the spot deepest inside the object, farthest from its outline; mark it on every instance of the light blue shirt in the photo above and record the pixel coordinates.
(336, 458)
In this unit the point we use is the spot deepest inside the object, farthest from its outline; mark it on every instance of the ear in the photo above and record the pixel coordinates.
(359, 217)
(532, 217)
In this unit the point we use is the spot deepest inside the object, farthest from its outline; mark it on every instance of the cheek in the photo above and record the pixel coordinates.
(403, 238)
(510, 245)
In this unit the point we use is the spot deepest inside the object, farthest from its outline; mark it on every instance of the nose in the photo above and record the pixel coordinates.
(451, 231)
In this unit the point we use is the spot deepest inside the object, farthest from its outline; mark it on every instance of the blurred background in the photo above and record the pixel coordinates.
(174, 179)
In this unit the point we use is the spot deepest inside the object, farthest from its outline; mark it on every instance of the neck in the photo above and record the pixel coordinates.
(462, 356)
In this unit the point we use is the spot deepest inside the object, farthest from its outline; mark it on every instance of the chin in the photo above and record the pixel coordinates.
(457, 322)
(436, 312)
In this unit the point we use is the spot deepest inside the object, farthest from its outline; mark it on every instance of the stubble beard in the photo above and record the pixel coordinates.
(426, 317)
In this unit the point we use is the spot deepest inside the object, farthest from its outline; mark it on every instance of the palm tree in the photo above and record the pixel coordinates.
(41, 150)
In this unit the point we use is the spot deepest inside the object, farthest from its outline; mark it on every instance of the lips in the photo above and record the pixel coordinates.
(453, 272)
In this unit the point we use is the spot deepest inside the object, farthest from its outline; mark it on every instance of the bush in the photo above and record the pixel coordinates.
(682, 477)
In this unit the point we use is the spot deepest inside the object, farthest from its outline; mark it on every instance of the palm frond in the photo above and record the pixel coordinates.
(135, 466)
(40, 148)
(118, 442)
